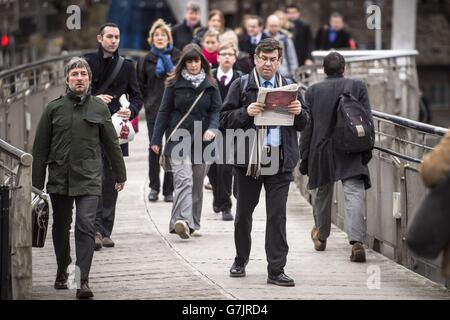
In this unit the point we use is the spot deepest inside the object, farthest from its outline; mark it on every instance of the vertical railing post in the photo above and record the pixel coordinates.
(21, 237)
(4, 244)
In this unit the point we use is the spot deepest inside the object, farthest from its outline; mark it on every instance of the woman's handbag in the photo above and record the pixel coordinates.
(40, 215)
(429, 230)
(164, 161)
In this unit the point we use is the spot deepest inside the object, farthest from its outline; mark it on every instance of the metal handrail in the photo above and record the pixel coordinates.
(71, 54)
(411, 124)
(25, 158)
(31, 65)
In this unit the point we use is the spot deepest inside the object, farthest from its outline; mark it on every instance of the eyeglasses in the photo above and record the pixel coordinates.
(265, 59)
(227, 54)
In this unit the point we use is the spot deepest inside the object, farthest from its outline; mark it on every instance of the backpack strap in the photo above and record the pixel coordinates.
(348, 87)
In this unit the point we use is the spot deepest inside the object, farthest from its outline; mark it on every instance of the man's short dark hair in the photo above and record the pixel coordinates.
(336, 15)
(268, 45)
(293, 6)
(334, 64)
(107, 24)
(257, 18)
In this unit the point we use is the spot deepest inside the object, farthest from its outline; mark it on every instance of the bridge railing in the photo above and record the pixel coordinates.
(397, 189)
(15, 222)
(390, 76)
(25, 91)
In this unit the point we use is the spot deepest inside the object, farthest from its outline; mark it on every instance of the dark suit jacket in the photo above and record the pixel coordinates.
(342, 40)
(303, 41)
(124, 83)
(245, 44)
(234, 116)
(183, 35)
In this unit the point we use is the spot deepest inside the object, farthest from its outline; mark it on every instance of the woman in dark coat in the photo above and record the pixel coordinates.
(190, 79)
(153, 70)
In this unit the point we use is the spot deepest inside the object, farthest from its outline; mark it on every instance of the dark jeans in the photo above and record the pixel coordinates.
(154, 169)
(106, 209)
(248, 191)
(221, 178)
(84, 231)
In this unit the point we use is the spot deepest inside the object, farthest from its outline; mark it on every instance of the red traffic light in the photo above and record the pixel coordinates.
(5, 40)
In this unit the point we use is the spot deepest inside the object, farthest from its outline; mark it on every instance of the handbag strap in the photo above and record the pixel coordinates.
(113, 75)
(187, 114)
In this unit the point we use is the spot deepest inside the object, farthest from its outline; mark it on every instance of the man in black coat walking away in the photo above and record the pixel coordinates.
(112, 76)
(280, 144)
(324, 164)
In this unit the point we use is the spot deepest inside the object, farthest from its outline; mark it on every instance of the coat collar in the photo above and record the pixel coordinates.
(334, 77)
(79, 100)
(183, 83)
(252, 84)
(100, 53)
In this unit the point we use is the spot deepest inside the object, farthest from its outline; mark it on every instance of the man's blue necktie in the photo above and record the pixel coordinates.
(273, 132)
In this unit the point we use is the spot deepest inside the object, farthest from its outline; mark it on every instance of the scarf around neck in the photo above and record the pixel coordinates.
(164, 65)
(196, 80)
(211, 56)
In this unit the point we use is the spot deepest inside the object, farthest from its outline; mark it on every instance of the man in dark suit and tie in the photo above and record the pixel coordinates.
(254, 34)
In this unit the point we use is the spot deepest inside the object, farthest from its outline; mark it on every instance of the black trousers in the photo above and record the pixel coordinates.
(106, 209)
(154, 169)
(84, 231)
(248, 191)
(221, 178)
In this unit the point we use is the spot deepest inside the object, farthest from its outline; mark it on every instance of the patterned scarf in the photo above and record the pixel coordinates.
(196, 80)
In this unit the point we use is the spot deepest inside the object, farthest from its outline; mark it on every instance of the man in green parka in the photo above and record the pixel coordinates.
(69, 137)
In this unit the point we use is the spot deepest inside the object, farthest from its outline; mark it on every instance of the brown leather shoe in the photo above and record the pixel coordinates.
(358, 253)
(319, 245)
(84, 292)
(107, 242)
(98, 241)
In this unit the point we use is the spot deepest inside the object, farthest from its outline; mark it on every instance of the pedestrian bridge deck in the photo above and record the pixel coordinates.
(150, 263)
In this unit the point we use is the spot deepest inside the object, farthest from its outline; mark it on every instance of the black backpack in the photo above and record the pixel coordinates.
(353, 131)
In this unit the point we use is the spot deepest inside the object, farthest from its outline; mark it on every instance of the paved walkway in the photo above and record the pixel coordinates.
(150, 263)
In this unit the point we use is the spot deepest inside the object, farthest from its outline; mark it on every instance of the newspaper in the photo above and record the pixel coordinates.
(276, 101)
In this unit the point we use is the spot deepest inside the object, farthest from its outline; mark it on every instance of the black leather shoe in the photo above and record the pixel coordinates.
(61, 280)
(237, 271)
(281, 280)
(153, 195)
(226, 215)
(216, 209)
(168, 198)
(84, 292)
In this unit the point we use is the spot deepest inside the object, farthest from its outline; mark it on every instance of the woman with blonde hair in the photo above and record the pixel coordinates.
(153, 70)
